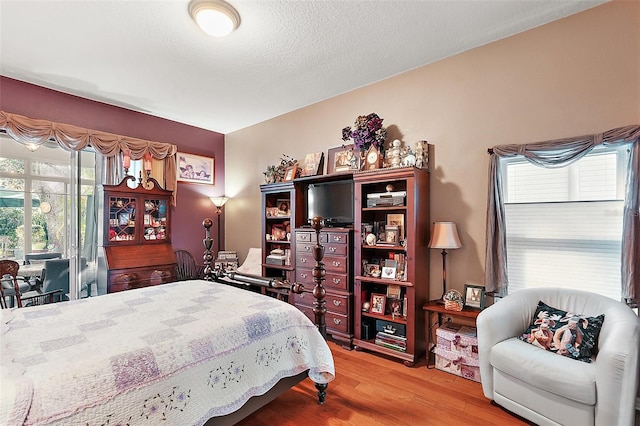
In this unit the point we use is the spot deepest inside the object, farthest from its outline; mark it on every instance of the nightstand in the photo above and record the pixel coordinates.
(435, 310)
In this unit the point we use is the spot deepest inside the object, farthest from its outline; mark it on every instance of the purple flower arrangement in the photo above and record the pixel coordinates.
(367, 131)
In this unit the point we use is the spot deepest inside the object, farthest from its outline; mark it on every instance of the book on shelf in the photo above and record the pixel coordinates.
(399, 340)
(389, 345)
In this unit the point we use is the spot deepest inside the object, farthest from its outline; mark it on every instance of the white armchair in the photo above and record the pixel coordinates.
(550, 389)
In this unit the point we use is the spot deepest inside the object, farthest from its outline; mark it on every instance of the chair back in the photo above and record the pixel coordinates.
(10, 268)
(55, 276)
(186, 267)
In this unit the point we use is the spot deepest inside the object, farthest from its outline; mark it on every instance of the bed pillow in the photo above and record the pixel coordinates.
(565, 333)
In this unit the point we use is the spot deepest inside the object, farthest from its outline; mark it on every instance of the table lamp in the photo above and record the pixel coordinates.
(444, 235)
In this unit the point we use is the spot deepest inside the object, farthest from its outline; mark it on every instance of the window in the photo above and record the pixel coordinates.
(564, 225)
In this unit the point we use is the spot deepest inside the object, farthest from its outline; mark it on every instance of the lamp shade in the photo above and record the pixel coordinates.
(219, 201)
(444, 235)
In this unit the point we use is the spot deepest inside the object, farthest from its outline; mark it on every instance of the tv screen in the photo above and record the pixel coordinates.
(333, 201)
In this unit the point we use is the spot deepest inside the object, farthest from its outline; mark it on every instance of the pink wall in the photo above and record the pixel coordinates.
(193, 204)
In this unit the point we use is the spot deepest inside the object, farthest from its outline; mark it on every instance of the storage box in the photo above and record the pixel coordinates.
(457, 351)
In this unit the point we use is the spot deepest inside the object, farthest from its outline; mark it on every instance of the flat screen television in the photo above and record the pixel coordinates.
(333, 201)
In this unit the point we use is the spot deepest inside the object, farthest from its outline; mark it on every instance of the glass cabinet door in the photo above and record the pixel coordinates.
(155, 219)
(122, 216)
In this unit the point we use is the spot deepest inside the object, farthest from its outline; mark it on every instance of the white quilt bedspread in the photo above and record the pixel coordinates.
(180, 352)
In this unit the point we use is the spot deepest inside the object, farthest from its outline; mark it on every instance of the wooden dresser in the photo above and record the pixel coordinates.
(338, 282)
(137, 236)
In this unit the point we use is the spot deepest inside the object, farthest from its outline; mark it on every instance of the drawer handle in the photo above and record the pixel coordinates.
(302, 295)
(307, 248)
(304, 275)
(337, 238)
(336, 263)
(337, 280)
(337, 321)
(337, 302)
(303, 260)
(332, 249)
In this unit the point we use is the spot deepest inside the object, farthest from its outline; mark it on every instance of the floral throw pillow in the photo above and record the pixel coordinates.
(565, 333)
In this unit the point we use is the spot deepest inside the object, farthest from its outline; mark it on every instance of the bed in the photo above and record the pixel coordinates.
(212, 353)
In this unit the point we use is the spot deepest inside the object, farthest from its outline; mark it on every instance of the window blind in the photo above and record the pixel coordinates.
(564, 225)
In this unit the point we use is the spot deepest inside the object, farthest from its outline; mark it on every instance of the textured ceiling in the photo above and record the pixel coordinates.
(149, 56)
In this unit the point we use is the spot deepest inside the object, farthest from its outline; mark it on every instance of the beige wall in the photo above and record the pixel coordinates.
(579, 75)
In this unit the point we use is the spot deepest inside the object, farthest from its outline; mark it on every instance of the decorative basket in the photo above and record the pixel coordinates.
(451, 305)
(453, 300)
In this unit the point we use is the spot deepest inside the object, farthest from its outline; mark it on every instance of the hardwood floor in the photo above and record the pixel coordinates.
(371, 390)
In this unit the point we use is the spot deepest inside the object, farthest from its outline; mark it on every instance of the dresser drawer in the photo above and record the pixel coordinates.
(337, 304)
(336, 281)
(331, 263)
(337, 238)
(127, 279)
(332, 320)
(310, 237)
(329, 249)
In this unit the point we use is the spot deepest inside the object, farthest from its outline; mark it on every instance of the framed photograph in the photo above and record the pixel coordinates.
(395, 307)
(392, 234)
(312, 165)
(272, 211)
(378, 302)
(290, 173)
(195, 168)
(389, 272)
(283, 207)
(397, 219)
(393, 291)
(342, 159)
(474, 296)
(373, 270)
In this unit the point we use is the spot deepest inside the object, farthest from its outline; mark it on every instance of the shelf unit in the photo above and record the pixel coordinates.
(281, 210)
(408, 248)
(137, 235)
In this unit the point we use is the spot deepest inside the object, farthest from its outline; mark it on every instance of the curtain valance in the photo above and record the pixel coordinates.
(560, 153)
(73, 138)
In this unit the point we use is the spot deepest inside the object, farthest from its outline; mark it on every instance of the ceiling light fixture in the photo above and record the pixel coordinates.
(215, 17)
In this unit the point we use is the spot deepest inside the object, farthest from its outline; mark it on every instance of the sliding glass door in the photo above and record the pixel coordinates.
(48, 211)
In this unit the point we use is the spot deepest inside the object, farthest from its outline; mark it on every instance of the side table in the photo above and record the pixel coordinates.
(435, 309)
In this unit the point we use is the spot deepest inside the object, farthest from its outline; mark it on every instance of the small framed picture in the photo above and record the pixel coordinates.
(312, 165)
(195, 168)
(278, 233)
(373, 270)
(290, 173)
(378, 302)
(474, 296)
(392, 234)
(393, 291)
(283, 207)
(389, 272)
(272, 211)
(395, 307)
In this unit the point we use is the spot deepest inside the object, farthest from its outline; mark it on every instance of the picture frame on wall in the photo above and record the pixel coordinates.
(195, 168)
(474, 296)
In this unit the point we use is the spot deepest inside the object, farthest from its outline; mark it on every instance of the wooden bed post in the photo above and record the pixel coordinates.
(207, 257)
(319, 292)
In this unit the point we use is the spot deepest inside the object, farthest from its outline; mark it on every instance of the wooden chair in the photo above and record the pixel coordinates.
(9, 267)
(32, 298)
(186, 266)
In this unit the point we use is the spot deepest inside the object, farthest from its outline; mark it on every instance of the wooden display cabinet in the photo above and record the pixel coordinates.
(137, 235)
(398, 199)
